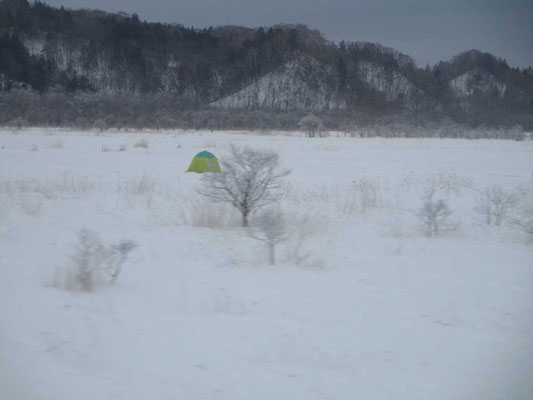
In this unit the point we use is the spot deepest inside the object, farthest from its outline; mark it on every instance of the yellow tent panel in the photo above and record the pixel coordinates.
(204, 162)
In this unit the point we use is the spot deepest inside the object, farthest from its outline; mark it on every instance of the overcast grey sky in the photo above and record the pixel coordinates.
(428, 30)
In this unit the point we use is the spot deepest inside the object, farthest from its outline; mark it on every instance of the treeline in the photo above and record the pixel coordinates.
(20, 108)
(24, 108)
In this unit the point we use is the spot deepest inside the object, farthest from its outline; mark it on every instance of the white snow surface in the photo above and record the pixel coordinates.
(361, 305)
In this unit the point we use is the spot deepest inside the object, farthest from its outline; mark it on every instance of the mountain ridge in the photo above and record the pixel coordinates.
(280, 68)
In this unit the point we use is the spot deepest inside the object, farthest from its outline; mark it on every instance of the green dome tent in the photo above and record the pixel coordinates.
(204, 162)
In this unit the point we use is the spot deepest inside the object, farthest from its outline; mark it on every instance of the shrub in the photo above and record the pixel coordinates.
(495, 204)
(434, 215)
(56, 144)
(524, 216)
(93, 263)
(143, 143)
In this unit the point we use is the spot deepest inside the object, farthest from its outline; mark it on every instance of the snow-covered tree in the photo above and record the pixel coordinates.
(312, 125)
(100, 125)
(434, 215)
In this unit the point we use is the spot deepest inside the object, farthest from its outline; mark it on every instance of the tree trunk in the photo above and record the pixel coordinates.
(429, 228)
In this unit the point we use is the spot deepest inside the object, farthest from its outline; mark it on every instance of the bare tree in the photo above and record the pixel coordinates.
(270, 227)
(84, 272)
(434, 214)
(494, 204)
(312, 125)
(250, 179)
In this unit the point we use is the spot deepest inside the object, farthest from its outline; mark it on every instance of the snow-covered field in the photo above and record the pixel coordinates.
(361, 305)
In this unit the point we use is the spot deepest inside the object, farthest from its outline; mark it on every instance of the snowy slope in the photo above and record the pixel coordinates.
(361, 304)
(301, 84)
(393, 85)
(477, 81)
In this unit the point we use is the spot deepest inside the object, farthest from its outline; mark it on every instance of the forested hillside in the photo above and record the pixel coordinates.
(75, 67)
